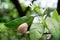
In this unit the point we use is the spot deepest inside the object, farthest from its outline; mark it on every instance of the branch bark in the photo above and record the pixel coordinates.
(18, 7)
(58, 7)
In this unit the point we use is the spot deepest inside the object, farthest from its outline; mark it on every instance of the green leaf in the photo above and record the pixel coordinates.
(54, 28)
(2, 27)
(44, 22)
(29, 12)
(47, 11)
(23, 6)
(37, 9)
(15, 23)
(55, 15)
(36, 31)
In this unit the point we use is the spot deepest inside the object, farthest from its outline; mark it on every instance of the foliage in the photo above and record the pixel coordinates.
(15, 23)
(12, 20)
(54, 28)
(36, 31)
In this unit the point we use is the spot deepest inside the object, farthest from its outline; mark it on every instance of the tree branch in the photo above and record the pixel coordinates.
(28, 8)
(18, 7)
(58, 7)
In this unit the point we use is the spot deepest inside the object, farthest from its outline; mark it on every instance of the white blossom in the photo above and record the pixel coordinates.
(48, 3)
(5, 5)
(27, 3)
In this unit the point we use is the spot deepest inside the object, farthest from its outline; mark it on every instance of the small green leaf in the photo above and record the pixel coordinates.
(2, 27)
(37, 9)
(36, 31)
(47, 11)
(23, 6)
(53, 27)
(44, 22)
(55, 15)
(15, 23)
(29, 12)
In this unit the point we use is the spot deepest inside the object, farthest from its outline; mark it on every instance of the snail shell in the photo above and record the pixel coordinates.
(23, 28)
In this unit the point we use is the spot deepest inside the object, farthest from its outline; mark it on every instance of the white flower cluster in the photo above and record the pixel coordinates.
(41, 3)
(27, 3)
(5, 5)
(48, 3)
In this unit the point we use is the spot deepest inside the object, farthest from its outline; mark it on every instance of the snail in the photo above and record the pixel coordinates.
(22, 28)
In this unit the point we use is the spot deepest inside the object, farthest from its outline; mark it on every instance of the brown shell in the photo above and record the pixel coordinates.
(22, 28)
